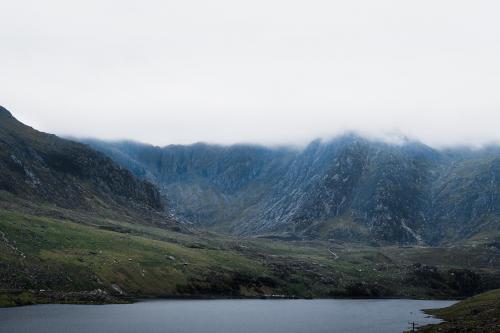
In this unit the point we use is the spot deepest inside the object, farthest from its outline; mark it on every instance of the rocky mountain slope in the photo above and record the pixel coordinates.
(47, 175)
(349, 188)
(76, 227)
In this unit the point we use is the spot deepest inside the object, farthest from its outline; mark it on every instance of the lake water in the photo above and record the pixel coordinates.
(222, 316)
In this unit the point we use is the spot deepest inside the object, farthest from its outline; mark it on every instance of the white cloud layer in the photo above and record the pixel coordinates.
(270, 71)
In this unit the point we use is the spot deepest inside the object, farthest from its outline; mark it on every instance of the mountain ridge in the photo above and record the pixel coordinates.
(77, 227)
(348, 188)
(41, 170)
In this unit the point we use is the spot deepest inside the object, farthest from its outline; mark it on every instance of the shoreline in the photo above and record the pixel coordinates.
(101, 297)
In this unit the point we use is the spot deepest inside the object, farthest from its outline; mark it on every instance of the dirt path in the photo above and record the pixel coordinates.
(7, 242)
(335, 256)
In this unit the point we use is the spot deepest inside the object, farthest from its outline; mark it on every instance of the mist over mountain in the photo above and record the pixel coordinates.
(349, 188)
(160, 152)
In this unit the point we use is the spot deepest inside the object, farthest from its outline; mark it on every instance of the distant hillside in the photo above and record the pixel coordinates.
(48, 175)
(349, 188)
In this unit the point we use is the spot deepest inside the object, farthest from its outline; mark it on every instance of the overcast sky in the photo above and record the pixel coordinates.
(270, 71)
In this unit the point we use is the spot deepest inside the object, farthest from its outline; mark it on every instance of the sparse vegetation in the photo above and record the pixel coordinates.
(479, 314)
(133, 260)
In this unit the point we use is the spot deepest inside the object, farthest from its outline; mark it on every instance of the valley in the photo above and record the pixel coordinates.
(128, 261)
(77, 226)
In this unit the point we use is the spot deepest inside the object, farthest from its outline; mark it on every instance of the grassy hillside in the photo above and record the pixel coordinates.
(62, 256)
(480, 313)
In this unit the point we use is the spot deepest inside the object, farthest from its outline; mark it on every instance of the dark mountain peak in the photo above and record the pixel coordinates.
(5, 113)
(44, 169)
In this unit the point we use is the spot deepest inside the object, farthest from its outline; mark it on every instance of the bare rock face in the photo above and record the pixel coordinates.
(349, 188)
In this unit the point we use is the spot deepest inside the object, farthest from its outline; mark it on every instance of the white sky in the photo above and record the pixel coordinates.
(263, 71)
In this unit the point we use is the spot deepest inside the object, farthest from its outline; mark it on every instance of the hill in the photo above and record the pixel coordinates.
(480, 313)
(45, 175)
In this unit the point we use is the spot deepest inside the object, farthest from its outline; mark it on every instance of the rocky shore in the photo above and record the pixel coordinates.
(10, 298)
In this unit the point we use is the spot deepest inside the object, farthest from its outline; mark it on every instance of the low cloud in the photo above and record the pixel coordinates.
(271, 72)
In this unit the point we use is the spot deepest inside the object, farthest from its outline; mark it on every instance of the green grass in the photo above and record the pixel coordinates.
(480, 313)
(64, 255)
(18, 299)
(136, 263)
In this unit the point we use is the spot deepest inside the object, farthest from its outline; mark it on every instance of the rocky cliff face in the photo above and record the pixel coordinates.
(352, 188)
(349, 188)
(44, 169)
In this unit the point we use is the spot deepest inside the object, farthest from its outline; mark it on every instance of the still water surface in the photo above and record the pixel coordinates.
(222, 316)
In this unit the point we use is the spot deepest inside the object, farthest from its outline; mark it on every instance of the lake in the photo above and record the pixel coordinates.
(222, 316)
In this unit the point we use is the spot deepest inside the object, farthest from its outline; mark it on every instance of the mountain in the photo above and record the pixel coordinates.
(75, 226)
(56, 177)
(349, 188)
